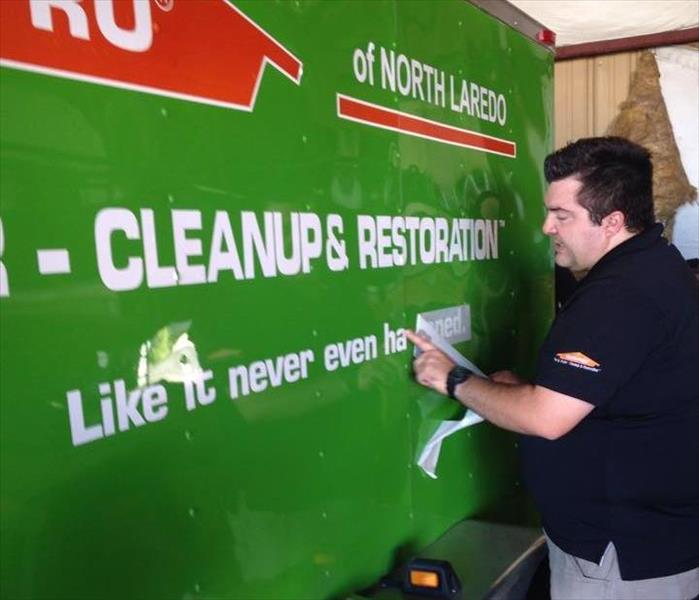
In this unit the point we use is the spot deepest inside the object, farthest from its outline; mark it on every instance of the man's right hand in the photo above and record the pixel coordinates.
(432, 366)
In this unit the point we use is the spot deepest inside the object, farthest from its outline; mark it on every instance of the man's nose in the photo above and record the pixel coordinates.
(548, 227)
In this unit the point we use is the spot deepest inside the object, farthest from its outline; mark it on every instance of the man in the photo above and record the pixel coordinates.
(611, 423)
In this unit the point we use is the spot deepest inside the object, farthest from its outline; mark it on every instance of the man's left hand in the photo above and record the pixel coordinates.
(432, 366)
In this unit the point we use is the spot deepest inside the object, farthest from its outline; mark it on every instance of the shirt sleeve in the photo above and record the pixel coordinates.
(598, 342)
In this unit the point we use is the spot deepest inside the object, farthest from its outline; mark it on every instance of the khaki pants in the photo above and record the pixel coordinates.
(574, 578)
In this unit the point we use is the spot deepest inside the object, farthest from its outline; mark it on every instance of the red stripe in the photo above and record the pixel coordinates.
(382, 117)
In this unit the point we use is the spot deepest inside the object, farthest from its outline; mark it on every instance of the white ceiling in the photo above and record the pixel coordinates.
(579, 21)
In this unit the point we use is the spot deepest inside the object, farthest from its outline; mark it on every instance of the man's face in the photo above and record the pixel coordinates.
(578, 243)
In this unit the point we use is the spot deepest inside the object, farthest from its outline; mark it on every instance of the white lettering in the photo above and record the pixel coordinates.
(4, 280)
(182, 222)
(255, 245)
(427, 241)
(350, 352)
(383, 229)
(311, 239)
(154, 403)
(256, 377)
(40, 12)
(156, 275)
(287, 265)
(366, 231)
(127, 406)
(139, 39)
(224, 254)
(336, 248)
(108, 221)
(79, 432)
(153, 399)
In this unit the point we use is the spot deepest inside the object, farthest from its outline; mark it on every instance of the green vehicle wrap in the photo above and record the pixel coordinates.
(215, 226)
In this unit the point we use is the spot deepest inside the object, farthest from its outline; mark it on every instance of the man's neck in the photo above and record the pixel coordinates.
(622, 236)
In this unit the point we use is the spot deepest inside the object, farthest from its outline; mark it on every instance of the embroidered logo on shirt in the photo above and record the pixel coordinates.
(577, 360)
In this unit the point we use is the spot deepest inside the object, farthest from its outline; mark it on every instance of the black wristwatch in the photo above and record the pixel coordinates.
(456, 376)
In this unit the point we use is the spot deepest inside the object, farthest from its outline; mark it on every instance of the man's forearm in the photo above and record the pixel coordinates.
(517, 407)
(520, 407)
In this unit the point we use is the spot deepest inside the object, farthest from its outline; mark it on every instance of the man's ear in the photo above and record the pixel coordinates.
(613, 223)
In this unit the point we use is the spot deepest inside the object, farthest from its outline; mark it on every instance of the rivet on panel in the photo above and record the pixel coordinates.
(304, 139)
(188, 435)
(192, 512)
(163, 112)
(321, 454)
(325, 515)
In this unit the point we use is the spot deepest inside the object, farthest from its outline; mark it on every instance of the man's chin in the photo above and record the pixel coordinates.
(577, 272)
(562, 261)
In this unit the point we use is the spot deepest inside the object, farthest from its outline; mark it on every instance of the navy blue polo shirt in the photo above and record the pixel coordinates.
(626, 341)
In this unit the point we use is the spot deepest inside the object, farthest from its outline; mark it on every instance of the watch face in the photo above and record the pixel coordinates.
(456, 376)
(463, 373)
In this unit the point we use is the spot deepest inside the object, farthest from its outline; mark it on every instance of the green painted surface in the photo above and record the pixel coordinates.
(309, 490)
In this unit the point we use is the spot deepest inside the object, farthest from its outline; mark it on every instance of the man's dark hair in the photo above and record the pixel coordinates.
(615, 173)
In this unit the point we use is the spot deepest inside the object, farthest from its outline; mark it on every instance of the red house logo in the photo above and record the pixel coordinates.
(206, 51)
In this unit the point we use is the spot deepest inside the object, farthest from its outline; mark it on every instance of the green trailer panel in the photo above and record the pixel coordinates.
(214, 400)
